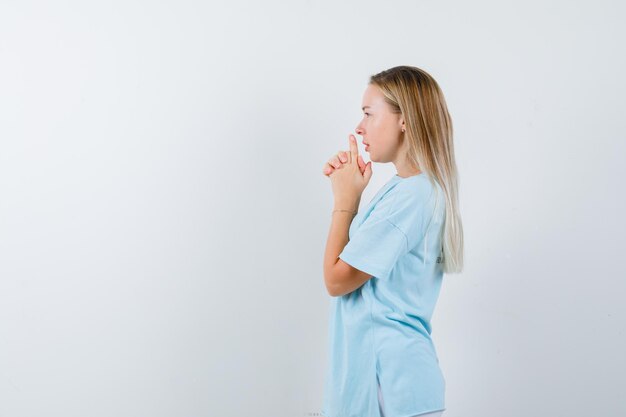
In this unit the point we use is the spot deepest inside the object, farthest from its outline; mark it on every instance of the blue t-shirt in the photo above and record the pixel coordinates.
(381, 331)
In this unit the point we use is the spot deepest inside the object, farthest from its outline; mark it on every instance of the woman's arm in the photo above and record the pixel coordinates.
(337, 240)
(340, 278)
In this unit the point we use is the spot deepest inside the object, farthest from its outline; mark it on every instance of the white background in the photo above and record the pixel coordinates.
(163, 212)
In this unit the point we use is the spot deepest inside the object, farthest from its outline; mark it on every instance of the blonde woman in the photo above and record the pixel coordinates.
(384, 265)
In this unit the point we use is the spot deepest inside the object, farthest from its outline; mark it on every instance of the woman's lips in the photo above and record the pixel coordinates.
(367, 147)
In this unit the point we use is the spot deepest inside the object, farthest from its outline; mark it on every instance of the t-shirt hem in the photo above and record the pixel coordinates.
(362, 266)
(421, 413)
(324, 414)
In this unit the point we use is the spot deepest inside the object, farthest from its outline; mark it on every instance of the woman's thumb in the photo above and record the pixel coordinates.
(361, 164)
(367, 174)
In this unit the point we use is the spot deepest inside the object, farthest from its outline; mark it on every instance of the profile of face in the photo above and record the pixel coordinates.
(380, 128)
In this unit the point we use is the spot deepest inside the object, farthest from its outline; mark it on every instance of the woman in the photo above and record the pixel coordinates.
(384, 266)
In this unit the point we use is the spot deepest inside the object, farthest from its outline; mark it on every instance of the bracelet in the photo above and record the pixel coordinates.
(353, 212)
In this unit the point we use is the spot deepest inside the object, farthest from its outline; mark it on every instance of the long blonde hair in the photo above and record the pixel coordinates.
(416, 95)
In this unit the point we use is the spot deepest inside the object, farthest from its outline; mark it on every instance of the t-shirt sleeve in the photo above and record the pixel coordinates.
(389, 231)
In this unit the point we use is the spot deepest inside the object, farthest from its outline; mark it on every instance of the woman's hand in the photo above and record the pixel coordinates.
(336, 161)
(349, 180)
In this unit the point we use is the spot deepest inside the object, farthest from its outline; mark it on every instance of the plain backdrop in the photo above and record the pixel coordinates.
(163, 212)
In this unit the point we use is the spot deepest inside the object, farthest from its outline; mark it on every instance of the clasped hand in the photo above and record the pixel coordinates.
(349, 176)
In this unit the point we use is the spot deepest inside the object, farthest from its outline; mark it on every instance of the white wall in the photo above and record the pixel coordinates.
(163, 214)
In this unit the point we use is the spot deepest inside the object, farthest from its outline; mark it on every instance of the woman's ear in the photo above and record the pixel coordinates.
(401, 122)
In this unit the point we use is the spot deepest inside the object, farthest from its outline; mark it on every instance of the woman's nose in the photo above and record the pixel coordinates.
(359, 131)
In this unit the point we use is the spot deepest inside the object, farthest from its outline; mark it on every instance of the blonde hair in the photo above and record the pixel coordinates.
(416, 95)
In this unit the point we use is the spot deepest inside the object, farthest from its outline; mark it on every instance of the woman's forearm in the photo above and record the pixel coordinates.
(338, 238)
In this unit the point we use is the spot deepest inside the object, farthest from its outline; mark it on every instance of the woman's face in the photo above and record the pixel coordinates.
(380, 128)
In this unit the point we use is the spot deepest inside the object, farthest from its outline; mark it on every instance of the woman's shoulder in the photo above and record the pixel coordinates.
(415, 189)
